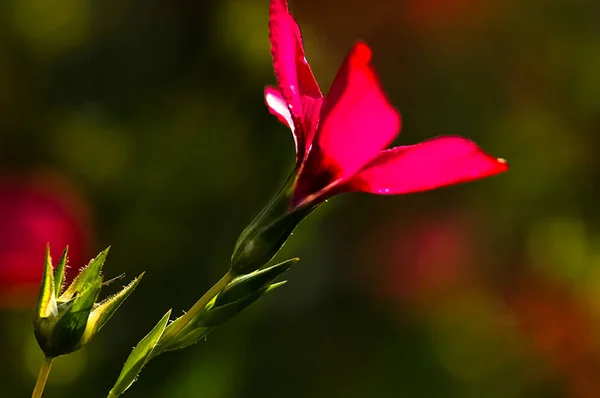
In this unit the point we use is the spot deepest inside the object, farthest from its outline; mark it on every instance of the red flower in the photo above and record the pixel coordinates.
(339, 143)
(340, 138)
(37, 209)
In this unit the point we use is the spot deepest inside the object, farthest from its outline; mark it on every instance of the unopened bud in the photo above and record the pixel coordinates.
(66, 320)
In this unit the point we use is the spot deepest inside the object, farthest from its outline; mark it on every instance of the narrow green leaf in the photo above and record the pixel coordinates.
(275, 286)
(214, 314)
(182, 325)
(103, 311)
(251, 283)
(86, 277)
(138, 357)
(219, 314)
(46, 305)
(187, 321)
(199, 326)
(59, 272)
(204, 322)
(186, 337)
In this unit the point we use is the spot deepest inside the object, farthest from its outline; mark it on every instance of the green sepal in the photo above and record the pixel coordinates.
(46, 304)
(274, 286)
(59, 272)
(265, 236)
(104, 310)
(74, 322)
(250, 283)
(219, 314)
(139, 357)
(87, 276)
(62, 335)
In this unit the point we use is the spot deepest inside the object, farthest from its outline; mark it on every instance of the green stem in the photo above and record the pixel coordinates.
(42, 377)
(171, 332)
(209, 295)
(176, 327)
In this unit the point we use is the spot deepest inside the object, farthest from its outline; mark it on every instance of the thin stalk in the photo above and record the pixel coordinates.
(42, 377)
(198, 307)
(209, 295)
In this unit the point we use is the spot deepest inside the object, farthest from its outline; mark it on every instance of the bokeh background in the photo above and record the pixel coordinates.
(140, 124)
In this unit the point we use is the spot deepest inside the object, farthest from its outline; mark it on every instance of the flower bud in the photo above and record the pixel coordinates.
(66, 320)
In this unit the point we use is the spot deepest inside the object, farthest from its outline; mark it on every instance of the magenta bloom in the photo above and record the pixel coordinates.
(340, 143)
(341, 137)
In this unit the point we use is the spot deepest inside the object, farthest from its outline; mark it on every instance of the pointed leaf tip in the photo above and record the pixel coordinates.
(252, 282)
(140, 355)
(221, 313)
(87, 276)
(46, 304)
(107, 308)
(275, 286)
(59, 272)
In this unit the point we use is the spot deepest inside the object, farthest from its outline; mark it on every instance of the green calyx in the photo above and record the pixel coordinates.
(269, 231)
(66, 319)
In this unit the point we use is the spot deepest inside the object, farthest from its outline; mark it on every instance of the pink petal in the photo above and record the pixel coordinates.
(428, 165)
(294, 77)
(357, 120)
(278, 106)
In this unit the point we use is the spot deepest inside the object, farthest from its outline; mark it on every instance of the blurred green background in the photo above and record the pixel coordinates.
(140, 124)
